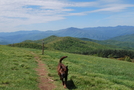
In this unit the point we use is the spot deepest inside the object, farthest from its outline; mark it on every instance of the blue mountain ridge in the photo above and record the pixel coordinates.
(96, 33)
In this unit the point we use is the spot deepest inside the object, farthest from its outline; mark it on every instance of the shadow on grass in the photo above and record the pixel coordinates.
(71, 85)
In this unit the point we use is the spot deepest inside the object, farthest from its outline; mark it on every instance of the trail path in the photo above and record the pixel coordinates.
(45, 82)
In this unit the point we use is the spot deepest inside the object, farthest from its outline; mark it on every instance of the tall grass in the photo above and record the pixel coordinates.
(91, 73)
(17, 69)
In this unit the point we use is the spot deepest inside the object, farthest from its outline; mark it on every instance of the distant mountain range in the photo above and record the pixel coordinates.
(119, 33)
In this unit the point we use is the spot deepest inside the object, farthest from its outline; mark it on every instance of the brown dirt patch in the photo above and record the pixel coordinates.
(45, 82)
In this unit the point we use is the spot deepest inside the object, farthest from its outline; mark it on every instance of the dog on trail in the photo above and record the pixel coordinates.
(63, 71)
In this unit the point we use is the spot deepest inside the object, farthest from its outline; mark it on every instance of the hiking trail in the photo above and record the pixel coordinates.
(45, 82)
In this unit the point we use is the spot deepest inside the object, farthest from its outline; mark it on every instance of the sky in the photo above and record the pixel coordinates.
(43, 15)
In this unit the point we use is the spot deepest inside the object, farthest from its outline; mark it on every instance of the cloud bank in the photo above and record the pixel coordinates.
(25, 12)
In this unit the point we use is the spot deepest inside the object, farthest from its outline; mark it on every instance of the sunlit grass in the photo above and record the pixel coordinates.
(85, 72)
(90, 72)
(17, 69)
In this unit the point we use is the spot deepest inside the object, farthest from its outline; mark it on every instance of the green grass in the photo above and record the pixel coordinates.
(85, 72)
(17, 69)
(91, 73)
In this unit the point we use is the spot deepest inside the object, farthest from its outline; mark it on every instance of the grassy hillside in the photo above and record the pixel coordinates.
(17, 69)
(85, 72)
(74, 45)
(124, 38)
(118, 42)
(77, 46)
(91, 73)
(66, 44)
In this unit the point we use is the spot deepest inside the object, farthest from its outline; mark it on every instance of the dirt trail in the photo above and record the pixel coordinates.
(45, 82)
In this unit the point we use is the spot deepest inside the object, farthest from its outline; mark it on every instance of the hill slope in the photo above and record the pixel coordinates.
(66, 44)
(91, 73)
(124, 42)
(17, 69)
(120, 44)
(85, 72)
(77, 46)
(124, 38)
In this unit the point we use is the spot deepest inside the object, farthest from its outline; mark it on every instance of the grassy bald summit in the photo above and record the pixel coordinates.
(69, 44)
(77, 46)
(66, 44)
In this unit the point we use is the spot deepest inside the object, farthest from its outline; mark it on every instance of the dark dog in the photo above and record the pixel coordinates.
(63, 72)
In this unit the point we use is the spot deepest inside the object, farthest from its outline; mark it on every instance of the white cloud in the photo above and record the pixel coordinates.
(121, 19)
(106, 6)
(23, 12)
(14, 12)
(114, 8)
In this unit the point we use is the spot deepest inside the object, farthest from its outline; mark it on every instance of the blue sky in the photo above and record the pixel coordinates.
(45, 15)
